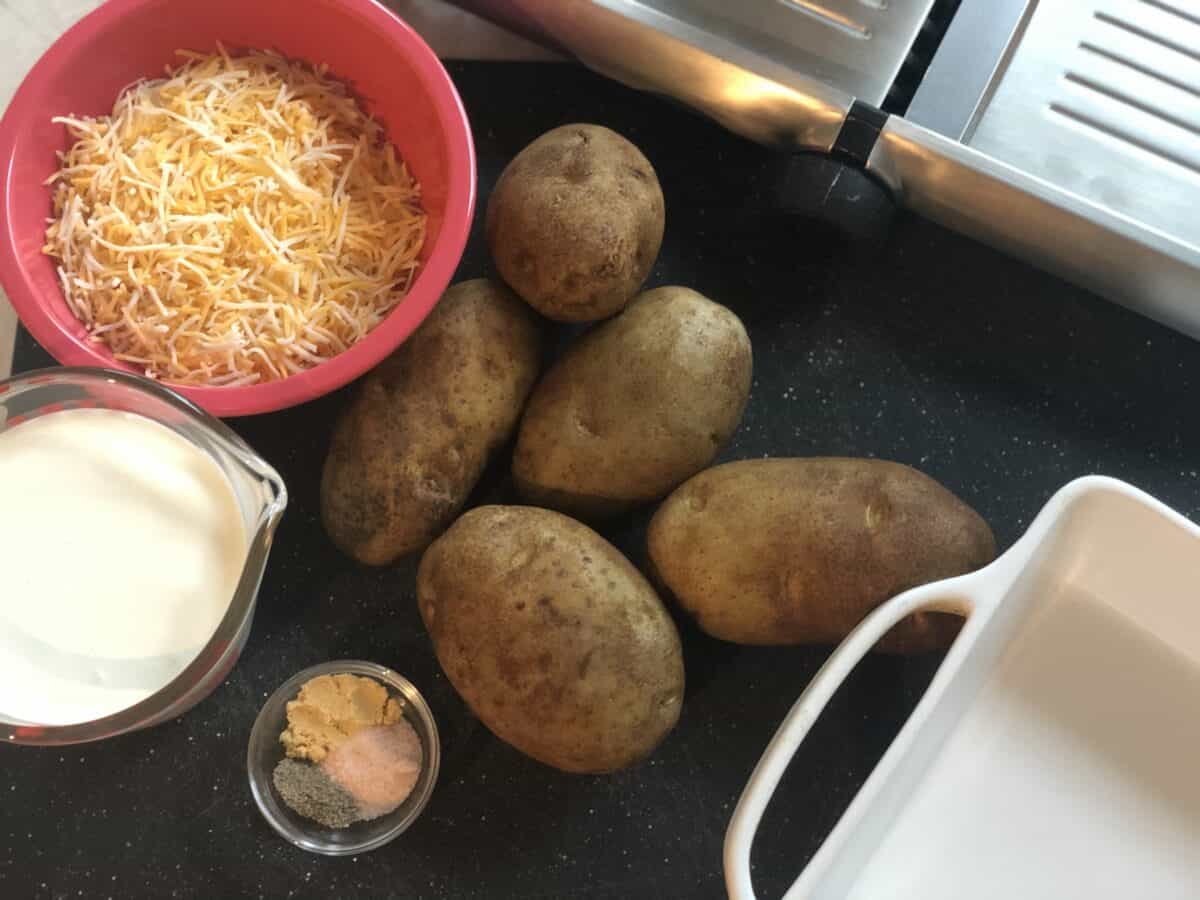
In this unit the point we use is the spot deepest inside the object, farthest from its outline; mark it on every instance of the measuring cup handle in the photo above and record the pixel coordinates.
(765, 778)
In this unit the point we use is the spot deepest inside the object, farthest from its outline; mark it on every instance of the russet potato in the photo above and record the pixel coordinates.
(575, 222)
(798, 551)
(422, 425)
(635, 407)
(552, 637)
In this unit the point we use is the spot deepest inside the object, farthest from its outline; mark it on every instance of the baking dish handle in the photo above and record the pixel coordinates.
(803, 715)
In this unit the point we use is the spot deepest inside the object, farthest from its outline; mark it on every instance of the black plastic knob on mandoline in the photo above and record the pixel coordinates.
(825, 194)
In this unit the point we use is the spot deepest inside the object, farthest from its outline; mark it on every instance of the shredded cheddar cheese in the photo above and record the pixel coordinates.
(236, 222)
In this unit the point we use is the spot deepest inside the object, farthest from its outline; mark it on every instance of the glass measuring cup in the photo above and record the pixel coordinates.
(261, 497)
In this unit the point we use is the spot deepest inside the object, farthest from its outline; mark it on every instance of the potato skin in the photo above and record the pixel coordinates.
(798, 551)
(552, 637)
(635, 407)
(418, 433)
(575, 222)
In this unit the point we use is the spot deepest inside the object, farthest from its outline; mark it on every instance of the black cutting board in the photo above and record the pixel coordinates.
(923, 347)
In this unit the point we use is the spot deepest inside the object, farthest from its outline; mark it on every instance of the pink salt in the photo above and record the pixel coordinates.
(378, 766)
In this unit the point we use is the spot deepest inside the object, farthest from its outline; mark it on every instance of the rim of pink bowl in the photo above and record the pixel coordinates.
(432, 280)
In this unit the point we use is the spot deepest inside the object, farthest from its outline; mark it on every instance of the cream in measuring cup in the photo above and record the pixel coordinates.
(121, 545)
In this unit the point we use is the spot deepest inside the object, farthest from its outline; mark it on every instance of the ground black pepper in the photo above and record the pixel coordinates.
(313, 794)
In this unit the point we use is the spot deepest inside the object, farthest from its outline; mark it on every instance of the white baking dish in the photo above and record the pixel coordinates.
(1056, 754)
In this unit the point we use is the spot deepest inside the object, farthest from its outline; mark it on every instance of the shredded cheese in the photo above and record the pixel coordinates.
(236, 222)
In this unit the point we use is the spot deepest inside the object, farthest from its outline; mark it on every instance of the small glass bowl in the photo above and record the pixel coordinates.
(265, 752)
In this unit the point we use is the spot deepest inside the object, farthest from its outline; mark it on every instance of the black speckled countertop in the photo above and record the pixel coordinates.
(923, 347)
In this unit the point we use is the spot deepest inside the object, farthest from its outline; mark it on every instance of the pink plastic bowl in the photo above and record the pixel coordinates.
(386, 63)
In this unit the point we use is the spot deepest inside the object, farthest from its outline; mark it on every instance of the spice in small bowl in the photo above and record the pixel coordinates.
(351, 755)
(343, 757)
